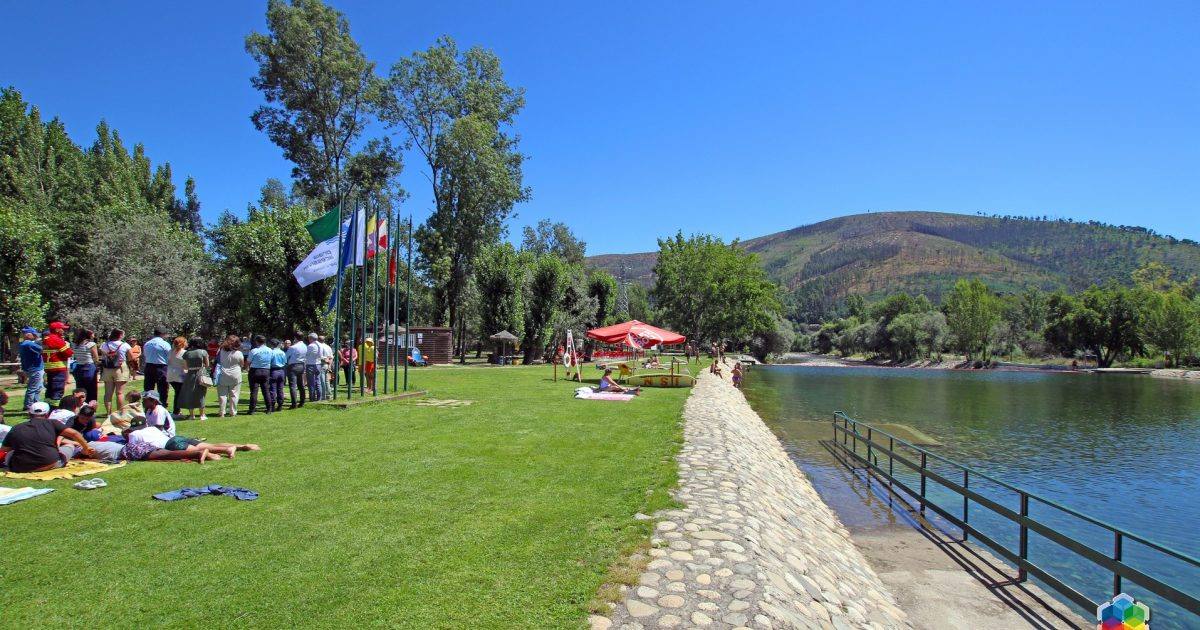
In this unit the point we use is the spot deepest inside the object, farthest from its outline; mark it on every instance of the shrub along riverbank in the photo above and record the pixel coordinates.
(506, 512)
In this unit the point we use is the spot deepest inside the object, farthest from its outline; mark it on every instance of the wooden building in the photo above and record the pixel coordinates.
(433, 342)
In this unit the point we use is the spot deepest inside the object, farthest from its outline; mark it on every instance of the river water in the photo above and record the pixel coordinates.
(1122, 448)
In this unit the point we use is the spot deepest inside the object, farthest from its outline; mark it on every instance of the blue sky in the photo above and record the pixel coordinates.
(738, 119)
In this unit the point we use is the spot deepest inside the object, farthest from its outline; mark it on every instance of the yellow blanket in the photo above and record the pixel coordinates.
(74, 468)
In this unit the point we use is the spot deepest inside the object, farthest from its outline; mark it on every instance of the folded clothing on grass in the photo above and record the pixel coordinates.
(241, 494)
(12, 495)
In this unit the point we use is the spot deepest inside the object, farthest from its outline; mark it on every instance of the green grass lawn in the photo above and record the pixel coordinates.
(505, 513)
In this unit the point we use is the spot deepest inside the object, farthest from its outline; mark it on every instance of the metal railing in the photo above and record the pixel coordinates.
(847, 435)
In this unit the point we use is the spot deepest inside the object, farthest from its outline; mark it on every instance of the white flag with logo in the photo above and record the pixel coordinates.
(322, 261)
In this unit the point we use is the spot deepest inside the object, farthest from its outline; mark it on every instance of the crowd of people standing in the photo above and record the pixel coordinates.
(180, 370)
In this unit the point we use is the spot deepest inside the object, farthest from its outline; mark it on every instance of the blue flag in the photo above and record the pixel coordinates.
(348, 257)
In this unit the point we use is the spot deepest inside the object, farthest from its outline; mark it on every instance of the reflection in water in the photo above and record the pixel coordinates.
(1125, 449)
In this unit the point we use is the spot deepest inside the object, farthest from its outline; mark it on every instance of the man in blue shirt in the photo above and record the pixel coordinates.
(260, 373)
(296, 354)
(154, 364)
(278, 367)
(32, 365)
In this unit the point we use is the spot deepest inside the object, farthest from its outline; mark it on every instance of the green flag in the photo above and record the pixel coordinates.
(324, 227)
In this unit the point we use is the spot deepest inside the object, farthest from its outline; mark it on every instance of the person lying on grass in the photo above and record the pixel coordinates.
(150, 444)
(158, 417)
(607, 384)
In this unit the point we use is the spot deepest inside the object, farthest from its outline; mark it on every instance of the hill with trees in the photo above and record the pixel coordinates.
(926, 253)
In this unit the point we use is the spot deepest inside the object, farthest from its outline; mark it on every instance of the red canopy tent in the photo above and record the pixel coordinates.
(636, 334)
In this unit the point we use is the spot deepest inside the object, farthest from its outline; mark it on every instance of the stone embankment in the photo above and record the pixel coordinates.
(1191, 375)
(754, 545)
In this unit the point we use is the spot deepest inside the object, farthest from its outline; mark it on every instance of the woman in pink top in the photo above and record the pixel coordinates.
(347, 359)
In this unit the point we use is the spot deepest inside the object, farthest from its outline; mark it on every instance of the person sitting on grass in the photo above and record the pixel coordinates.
(607, 384)
(86, 424)
(33, 445)
(130, 413)
(158, 417)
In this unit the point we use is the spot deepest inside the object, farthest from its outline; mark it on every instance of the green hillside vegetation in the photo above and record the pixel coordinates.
(925, 253)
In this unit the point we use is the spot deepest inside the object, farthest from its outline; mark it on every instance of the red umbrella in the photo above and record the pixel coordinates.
(636, 334)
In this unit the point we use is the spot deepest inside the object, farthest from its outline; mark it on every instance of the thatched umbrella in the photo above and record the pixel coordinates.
(503, 339)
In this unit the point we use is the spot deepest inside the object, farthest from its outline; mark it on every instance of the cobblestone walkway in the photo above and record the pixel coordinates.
(754, 546)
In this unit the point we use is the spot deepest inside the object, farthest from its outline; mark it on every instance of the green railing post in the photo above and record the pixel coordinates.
(1117, 544)
(923, 466)
(870, 434)
(1023, 551)
(966, 502)
(891, 450)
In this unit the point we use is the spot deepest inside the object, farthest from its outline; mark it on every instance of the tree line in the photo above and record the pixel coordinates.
(98, 235)
(95, 233)
(1157, 316)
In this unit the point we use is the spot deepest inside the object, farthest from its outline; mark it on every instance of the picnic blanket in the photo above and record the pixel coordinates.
(74, 468)
(12, 495)
(241, 494)
(587, 393)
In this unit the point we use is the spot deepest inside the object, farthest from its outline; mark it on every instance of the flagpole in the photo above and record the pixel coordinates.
(375, 304)
(366, 294)
(408, 301)
(362, 308)
(396, 304)
(353, 285)
(337, 307)
(383, 365)
(389, 311)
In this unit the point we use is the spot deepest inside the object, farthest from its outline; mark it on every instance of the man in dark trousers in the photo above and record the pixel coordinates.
(155, 353)
(295, 370)
(260, 374)
(278, 371)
